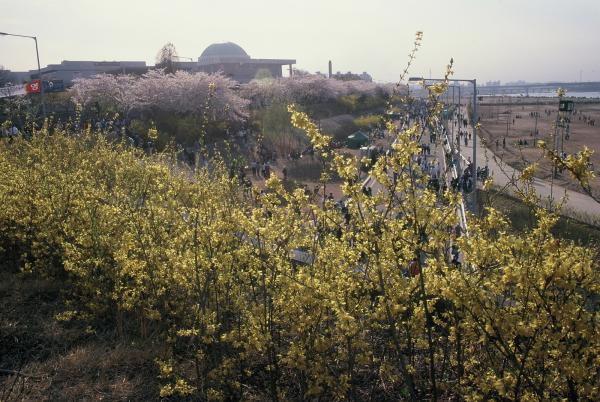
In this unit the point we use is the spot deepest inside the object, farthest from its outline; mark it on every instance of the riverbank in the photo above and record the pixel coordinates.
(511, 131)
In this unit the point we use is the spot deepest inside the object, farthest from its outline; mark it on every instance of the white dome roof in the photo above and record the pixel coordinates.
(227, 52)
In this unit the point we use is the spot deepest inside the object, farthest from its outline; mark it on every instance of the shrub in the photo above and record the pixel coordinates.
(203, 267)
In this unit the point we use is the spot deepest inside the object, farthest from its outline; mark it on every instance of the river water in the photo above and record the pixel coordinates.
(553, 95)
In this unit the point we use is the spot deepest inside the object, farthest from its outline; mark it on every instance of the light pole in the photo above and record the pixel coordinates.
(474, 161)
(458, 120)
(37, 54)
(453, 137)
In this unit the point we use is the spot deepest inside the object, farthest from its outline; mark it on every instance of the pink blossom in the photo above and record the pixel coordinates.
(181, 92)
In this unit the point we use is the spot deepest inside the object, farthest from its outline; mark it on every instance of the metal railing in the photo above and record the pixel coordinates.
(461, 209)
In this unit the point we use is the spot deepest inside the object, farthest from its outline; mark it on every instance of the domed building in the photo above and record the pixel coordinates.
(233, 61)
(227, 52)
(227, 58)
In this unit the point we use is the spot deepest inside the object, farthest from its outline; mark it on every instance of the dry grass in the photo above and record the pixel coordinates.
(494, 119)
(522, 218)
(92, 373)
(63, 362)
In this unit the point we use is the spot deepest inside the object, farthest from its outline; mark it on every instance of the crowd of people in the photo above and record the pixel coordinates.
(261, 170)
(9, 132)
(587, 120)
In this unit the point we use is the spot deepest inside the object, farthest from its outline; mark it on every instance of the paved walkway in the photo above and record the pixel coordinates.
(577, 205)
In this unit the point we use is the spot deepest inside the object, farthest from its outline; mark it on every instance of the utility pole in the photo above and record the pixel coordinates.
(37, 54)
(555, 142)
(474, 164)
(458, 122)
(535, 131)
(453, 122)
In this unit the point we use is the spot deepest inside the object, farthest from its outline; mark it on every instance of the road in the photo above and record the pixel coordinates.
(578, 206)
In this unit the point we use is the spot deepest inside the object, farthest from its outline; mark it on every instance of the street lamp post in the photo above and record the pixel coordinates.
(475, 122)
(458, 118)
(474, 117)
(37, 54)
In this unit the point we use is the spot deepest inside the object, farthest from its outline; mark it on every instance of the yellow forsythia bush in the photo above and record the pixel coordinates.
(203, 266)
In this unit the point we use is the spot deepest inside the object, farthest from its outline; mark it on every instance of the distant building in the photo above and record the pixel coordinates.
(366, 77)
(8, 77)
(231, 60)
(70, 70)
(349, 76)
(227, 58)
(520, 82)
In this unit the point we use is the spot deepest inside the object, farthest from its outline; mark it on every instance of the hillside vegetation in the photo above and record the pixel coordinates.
(179, 284)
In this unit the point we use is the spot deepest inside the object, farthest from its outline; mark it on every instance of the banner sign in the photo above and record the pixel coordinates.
(12, 90)
(33, 87)
(54, 86)
(49, 86)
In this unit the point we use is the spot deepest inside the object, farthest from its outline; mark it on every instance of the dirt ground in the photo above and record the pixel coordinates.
(43, 359)
(514, 119)
(312, 183)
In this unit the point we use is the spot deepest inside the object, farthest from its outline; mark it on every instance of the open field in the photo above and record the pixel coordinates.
(514, 120)
(521, 218)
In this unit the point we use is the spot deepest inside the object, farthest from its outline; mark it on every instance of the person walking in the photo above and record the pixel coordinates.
(413, 267)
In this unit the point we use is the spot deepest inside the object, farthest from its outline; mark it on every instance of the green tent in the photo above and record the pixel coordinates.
(357, 140)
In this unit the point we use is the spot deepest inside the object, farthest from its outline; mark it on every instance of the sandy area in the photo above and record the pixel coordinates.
(514, 119)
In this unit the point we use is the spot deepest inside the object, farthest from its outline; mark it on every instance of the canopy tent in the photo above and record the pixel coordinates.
(357, 140)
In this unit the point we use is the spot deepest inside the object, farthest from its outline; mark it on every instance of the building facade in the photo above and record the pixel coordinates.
(68, 70)
(233, 61)
(226, 58)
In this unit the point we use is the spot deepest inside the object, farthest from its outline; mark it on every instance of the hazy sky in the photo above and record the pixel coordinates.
(533, 40)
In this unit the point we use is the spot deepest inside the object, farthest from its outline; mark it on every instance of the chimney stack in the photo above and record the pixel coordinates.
(330, 69)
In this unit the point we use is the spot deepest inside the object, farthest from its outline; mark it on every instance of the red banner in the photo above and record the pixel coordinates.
(34, 87)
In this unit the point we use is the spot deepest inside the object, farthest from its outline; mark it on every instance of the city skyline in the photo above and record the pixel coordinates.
(500, 40)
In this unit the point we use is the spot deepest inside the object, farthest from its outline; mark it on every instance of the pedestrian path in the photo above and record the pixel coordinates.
(579, 206)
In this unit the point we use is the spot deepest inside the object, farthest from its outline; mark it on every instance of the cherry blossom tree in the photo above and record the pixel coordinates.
(108, 92)
(306, 89)
(180, 92)
(166, 57)
(214, 94)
